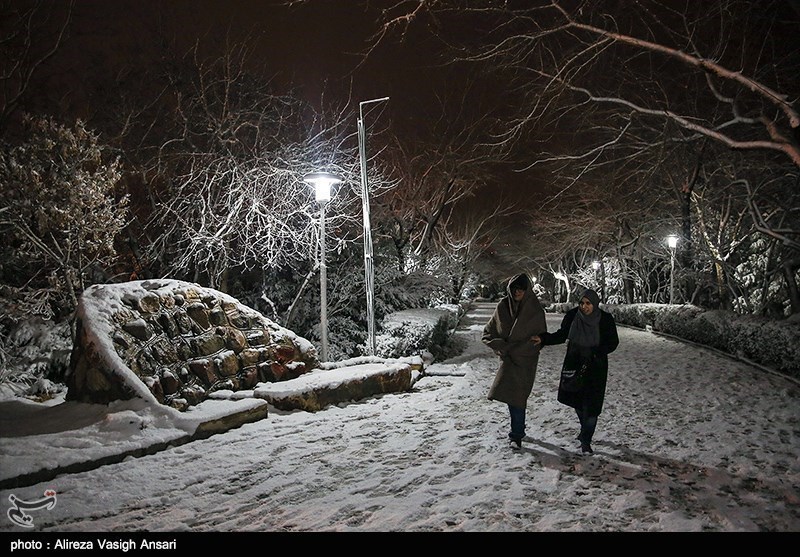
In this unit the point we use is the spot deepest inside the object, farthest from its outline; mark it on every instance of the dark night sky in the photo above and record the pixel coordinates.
(314, 47)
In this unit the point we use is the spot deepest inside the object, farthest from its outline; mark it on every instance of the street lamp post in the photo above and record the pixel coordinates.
(369, 264)
(672, 242)
(322, 182)
(598, 266)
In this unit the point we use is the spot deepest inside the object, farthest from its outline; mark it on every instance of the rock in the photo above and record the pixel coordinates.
(315, 390)
(161, 345)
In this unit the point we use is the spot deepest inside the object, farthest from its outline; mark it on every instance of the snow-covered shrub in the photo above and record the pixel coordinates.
(677, 320)
(772, 343)
(638, 315)
(43, 389)
(775, 344)
(453, 313)
(34, 349)
(346, 338)
(400, 339)
(61, 215)
(711, 328)
(411, 332)
(473, 287)
(397, 292)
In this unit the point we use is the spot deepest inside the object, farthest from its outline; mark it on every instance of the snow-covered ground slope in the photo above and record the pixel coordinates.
(689, 440)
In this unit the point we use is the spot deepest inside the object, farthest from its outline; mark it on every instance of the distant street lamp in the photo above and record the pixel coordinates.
(369, 263)
(322, 182)
(672, 242)
(598, 266)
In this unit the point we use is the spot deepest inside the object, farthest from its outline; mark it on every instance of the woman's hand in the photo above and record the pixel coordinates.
(536, 339)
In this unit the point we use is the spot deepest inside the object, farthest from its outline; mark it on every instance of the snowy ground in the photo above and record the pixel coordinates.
(689, 441)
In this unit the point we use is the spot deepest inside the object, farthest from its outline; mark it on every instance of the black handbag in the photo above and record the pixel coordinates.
(573, 380)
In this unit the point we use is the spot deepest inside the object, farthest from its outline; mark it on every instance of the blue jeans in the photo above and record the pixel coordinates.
(588, 425)
(517, 423)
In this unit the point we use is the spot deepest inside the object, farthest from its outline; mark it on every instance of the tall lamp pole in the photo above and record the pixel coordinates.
(672, 242)
(322, 182)
(598, 266)
(369, 264)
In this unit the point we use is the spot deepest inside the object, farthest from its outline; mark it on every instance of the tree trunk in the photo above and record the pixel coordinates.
(73, 296)
(290, 313)
(223, 280)
(722, 289)
(686, 254)
(401, 258)
(789, 269)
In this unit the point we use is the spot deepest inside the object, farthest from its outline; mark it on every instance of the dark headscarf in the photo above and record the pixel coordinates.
(521, 282)
(585, 329)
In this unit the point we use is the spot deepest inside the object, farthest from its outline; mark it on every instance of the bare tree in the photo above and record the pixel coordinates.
(432, 182)
(645, 59)
(449, 155)
(778, 219)
(467, 233)
(235, 162)
(31, 33)
(623, 86)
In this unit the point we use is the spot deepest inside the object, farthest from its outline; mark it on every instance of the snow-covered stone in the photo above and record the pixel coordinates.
(321, 388)
(174, 343)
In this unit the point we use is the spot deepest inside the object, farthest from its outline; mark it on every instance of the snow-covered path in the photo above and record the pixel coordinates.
(689, 441)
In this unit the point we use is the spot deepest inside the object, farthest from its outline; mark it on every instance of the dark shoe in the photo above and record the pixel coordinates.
(586, 448)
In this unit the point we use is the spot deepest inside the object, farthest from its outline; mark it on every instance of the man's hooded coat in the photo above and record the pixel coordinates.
(509, 332)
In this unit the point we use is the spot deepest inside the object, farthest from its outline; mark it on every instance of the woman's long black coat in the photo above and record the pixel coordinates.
(594, 391)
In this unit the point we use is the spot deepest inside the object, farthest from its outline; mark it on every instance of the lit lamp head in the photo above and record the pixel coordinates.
(322, 182)
(672, 241)
(595, 265)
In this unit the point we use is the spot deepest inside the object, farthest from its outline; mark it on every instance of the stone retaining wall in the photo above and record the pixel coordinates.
(175, 343)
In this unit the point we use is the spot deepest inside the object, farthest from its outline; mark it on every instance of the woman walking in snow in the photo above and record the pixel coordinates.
(591, 335)
(517, 318)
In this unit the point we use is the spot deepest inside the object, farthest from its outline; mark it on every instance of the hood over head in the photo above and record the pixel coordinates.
(591, 295)
(521, 281)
